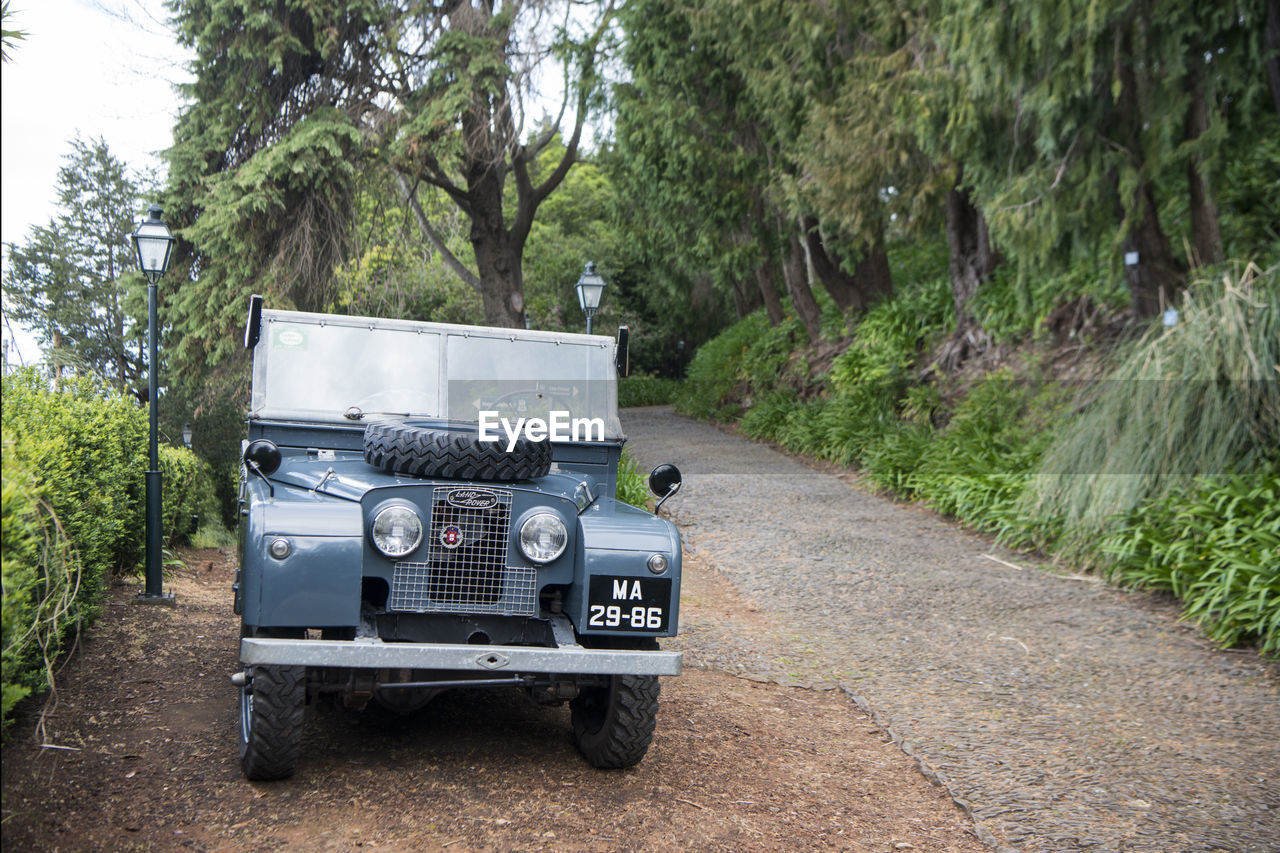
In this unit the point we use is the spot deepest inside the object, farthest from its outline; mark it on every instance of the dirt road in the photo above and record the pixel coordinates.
(141, 755)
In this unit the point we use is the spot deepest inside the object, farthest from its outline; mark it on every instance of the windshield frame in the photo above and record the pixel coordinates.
(333, 368)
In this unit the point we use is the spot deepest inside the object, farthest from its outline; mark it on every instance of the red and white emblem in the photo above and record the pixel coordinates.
(451, 536)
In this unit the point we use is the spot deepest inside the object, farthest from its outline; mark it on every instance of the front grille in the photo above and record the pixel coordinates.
(473, 576)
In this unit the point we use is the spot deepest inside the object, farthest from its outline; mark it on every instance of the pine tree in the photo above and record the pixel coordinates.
(74, 281)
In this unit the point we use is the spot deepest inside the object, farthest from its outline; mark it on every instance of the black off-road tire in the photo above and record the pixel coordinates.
(421, 451)
(272, 706)
(613, 726)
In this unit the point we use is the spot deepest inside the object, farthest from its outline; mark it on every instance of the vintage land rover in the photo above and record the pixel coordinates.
(427, 507)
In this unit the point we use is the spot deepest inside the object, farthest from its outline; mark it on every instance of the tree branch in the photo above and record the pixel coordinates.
(411, 196)
(571, 151)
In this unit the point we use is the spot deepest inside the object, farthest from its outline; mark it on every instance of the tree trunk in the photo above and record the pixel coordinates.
(769, 293)
(1206, 235)
(871, 279)
(501, 279)
(1155, 277)
(1271, 44)
(746, 299)
(972, 262)
(794, 272)
(498, 251)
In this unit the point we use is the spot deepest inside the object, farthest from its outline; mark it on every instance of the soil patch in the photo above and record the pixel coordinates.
(141, 754)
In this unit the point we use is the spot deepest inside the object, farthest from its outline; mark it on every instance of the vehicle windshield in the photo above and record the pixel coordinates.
(332, 368)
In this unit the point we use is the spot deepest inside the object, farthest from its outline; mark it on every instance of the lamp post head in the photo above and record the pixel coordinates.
(590, 288)
(153, 243)
(186, 436)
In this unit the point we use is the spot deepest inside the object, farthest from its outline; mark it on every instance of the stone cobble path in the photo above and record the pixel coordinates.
(1062, 714)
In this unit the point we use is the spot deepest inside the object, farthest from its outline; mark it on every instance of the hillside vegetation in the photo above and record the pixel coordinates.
(1150, 454)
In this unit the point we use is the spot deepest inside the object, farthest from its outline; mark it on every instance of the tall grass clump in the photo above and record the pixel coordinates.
(1199, 398)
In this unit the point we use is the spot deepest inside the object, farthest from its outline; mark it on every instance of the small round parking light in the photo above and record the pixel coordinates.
(397, 531)
(543, 537)
(280, 548)
(657, 563)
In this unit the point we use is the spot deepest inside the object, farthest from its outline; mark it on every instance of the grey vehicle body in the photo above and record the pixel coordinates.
(336, 597)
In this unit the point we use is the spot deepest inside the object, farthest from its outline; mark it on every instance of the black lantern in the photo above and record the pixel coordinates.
(590, 289)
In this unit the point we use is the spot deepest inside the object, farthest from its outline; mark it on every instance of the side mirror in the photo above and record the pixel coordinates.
(253, 326)
(623, 357)
(664, 481)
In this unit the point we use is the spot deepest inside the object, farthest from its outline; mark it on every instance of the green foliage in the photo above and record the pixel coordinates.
(74, 463)
(717, 370)
(1249, 191)
(979, 467)
(892, 335)
(1216, 546)
(89, 447)
(1015, 301)
(1200, 398)
(1164, 473)
(187, 494)
(8, 37)
(41, 600)
(633, 484)
(641, 390)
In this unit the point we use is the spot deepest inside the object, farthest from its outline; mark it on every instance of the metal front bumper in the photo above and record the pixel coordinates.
(375, 654)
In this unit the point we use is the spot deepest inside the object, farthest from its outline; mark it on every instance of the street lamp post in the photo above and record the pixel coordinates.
(153, 242)
(590, 288)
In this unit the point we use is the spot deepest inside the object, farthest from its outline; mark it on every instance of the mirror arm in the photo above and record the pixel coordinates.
(675, 488)
(253, 466)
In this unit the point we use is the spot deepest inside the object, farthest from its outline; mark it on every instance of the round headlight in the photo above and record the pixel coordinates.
(657, 563)
(397, 531)
(280, 548)
(543, 537)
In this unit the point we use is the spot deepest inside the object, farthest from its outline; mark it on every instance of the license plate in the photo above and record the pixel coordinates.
(628, 604)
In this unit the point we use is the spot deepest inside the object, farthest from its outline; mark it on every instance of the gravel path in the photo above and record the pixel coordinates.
(1060, 713)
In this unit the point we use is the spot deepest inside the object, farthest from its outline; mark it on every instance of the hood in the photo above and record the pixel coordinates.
(349, 477)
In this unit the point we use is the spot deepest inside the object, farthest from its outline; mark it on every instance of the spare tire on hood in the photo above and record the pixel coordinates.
(424, 451)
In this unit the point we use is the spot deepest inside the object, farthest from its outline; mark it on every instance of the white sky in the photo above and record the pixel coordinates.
(81, 69)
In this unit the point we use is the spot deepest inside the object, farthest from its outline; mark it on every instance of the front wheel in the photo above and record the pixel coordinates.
(272, 702)
(613, 726)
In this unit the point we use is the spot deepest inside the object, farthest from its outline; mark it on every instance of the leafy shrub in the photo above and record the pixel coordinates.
(1215, 545)
(716, 370)
(186, 491)
(1014, 301)
(641, 390)
(73, 471)
(633, 485)
(766, 419)
(41, 580)
(86, 447)
(890, 337)
(979, 467)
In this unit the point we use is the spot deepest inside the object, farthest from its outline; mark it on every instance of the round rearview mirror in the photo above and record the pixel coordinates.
(664, 480)
(265, 454)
